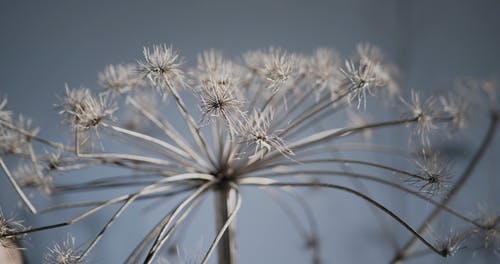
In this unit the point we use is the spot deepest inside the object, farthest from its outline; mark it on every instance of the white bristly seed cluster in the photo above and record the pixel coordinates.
(63, 253)
(270, 119)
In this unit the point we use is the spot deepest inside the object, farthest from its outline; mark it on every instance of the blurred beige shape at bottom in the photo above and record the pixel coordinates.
(10, 256)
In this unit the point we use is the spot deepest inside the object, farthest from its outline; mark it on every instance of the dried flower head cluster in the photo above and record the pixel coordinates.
(162, 66)
(63, 253)
(488, 230)
(120, 79)
(256, 132)
(218, 100)
(84, 110)
(13, 142)
(31, 176)
(451, 244)
(365, 73)
(8, 227)
(4, 114)
(264, 120)
(434, 175)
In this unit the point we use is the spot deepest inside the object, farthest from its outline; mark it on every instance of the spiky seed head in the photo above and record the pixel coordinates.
(54, 160)
(365, 73)
(456, 108)
(119, 79)
(5, 115)
(323, 69)
(83, 110)
(13, 141)
(426, 114)
(162, 66)
(434, 173)
(274, 66)
(63, 253)
(30, 176)
(219, 101)
(254, 61)
(359, 81)
(489, 231)
(452, 243)
(210, 63)
(9, 226)
(213, 68)
(279, 65)
(256, 131)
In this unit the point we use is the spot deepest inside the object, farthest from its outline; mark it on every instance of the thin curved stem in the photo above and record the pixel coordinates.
(486, 142)
(327, 135)
(30, 136)
(266, 177)
(315, 120)
(134, 255)
(193, 127)
(18, 189)
(159, 241)
(118, 156)
(224, 227)
(310, 112)
(173, 152)
(97, 203)
(185, 214)
(187, 176)
(343, 161)
(312, 236)
(87, 187)
(118, 213)
(285, 113)
(287, 209)
(364, 197)
(169, 130)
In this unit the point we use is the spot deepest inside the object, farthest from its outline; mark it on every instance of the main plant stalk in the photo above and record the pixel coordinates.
(226, 248)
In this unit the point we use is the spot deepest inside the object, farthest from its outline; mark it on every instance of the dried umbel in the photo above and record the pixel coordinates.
(64, 253)
(4, 114)
(323, 69)
(83, 110)
(257, 133)
(120, 79)
(7, 227)
(366, 73)
(270, 122)
(451, 244)
(162, 66)
(488, 232)
(15, 136)
(219, 101)
(31, 176)
(434, 175)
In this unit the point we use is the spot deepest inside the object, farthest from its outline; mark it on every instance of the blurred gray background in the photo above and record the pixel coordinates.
(45, 44)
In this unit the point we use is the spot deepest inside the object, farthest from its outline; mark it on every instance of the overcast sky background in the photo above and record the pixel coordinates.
(45, 44)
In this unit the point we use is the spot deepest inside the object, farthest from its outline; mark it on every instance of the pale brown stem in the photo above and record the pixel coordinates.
(226, 249)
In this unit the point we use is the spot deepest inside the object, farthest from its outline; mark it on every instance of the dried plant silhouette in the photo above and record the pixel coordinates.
(263, 121)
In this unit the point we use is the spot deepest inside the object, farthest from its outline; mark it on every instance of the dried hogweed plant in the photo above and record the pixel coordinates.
(265, 122)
